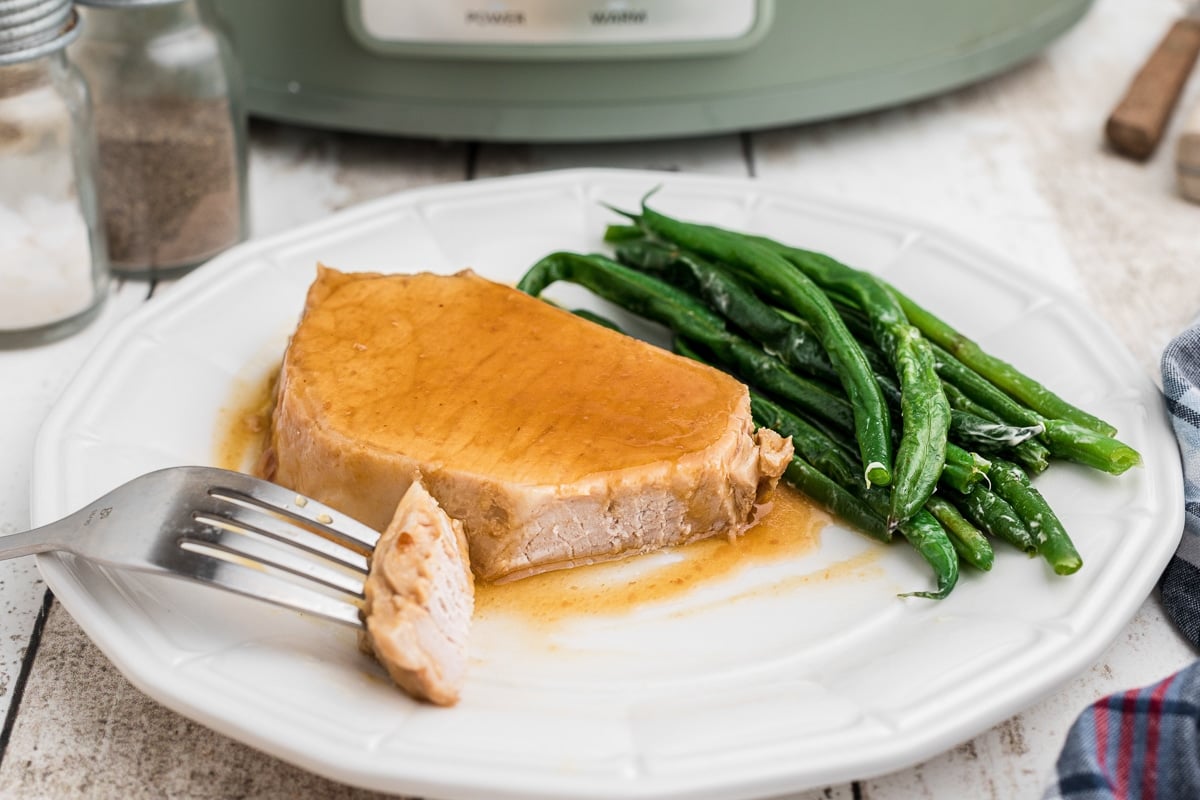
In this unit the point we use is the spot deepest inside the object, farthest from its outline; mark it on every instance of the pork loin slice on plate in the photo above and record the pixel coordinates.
(419, 599)
(555, 441)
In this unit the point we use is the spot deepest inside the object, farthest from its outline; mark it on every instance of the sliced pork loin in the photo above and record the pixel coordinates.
(419, 599)
(556, 441)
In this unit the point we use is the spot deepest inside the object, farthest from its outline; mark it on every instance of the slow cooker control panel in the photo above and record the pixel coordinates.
(562, 28)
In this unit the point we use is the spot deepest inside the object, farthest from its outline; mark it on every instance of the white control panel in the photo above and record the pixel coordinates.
(557, 22)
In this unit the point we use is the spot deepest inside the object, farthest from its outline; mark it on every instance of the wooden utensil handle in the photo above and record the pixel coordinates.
(1137, 123)
(1187, 156)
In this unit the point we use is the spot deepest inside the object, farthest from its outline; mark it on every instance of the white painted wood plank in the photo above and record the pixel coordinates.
(1016, 758)
(714, 155)
(85, 732)
(957, 162)
(845, 792)
(298, 175)
(32, 378)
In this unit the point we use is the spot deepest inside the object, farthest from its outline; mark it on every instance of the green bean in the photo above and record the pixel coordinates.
(828, 453)
(641, 294)
(810, 443)
(688, 318)
(964, 469)
(992, 513)
(836, 500)
(794, 344)
(921, 530)
(998, 372)
(831, 459)
(1006, 378)
(780, 335)
(969, 429)
(602, 321)
(1031, 454)
(1049, 535)
(1083, 446)
(972, 546)
(981, 391)
(761, 370)
(819, 467)
(1063, 438)
(859, 324)
(924, 412)
(623, 233)
(871, 419)
(929, 539)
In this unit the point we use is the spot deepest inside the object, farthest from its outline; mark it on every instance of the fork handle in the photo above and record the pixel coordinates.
(27, 543)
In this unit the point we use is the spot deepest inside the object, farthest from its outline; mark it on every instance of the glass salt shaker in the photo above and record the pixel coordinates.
(53, 273)
(170, 126)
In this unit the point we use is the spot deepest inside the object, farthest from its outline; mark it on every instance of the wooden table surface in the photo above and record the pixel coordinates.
(1016, 164)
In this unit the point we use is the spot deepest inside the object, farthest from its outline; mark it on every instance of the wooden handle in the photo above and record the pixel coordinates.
(1137, 123)
(1187, 157)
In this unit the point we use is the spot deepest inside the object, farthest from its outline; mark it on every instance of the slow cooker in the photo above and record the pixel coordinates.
(559, 70)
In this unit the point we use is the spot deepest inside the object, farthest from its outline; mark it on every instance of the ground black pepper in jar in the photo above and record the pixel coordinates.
(170, 130)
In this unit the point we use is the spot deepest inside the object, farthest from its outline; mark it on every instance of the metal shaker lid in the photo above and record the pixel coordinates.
(33, 28)
(125, 3)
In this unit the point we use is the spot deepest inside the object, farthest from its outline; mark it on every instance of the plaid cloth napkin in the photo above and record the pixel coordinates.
(1145, 743)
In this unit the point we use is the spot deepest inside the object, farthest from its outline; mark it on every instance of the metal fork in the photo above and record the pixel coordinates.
(223, 529)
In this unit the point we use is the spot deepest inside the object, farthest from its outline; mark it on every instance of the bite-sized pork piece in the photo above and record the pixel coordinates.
(556, 441)
(419, 599)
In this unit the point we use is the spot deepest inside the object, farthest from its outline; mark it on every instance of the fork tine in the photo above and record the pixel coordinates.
(290, 533)
(214, 535)
(276, 500)
(211, 569)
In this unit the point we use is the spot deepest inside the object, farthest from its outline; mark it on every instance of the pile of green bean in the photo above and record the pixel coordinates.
(899, 422)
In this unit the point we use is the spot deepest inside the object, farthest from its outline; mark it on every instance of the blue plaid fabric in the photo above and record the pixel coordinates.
(1145, 743)
(1180, 583)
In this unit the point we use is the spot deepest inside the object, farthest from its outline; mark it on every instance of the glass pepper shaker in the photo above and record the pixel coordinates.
(170, 126)
(53, 274)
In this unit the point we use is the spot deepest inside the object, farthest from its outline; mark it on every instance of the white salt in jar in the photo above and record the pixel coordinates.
(53, 272)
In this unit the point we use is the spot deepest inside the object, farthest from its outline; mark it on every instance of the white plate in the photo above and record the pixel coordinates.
(732, 691)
